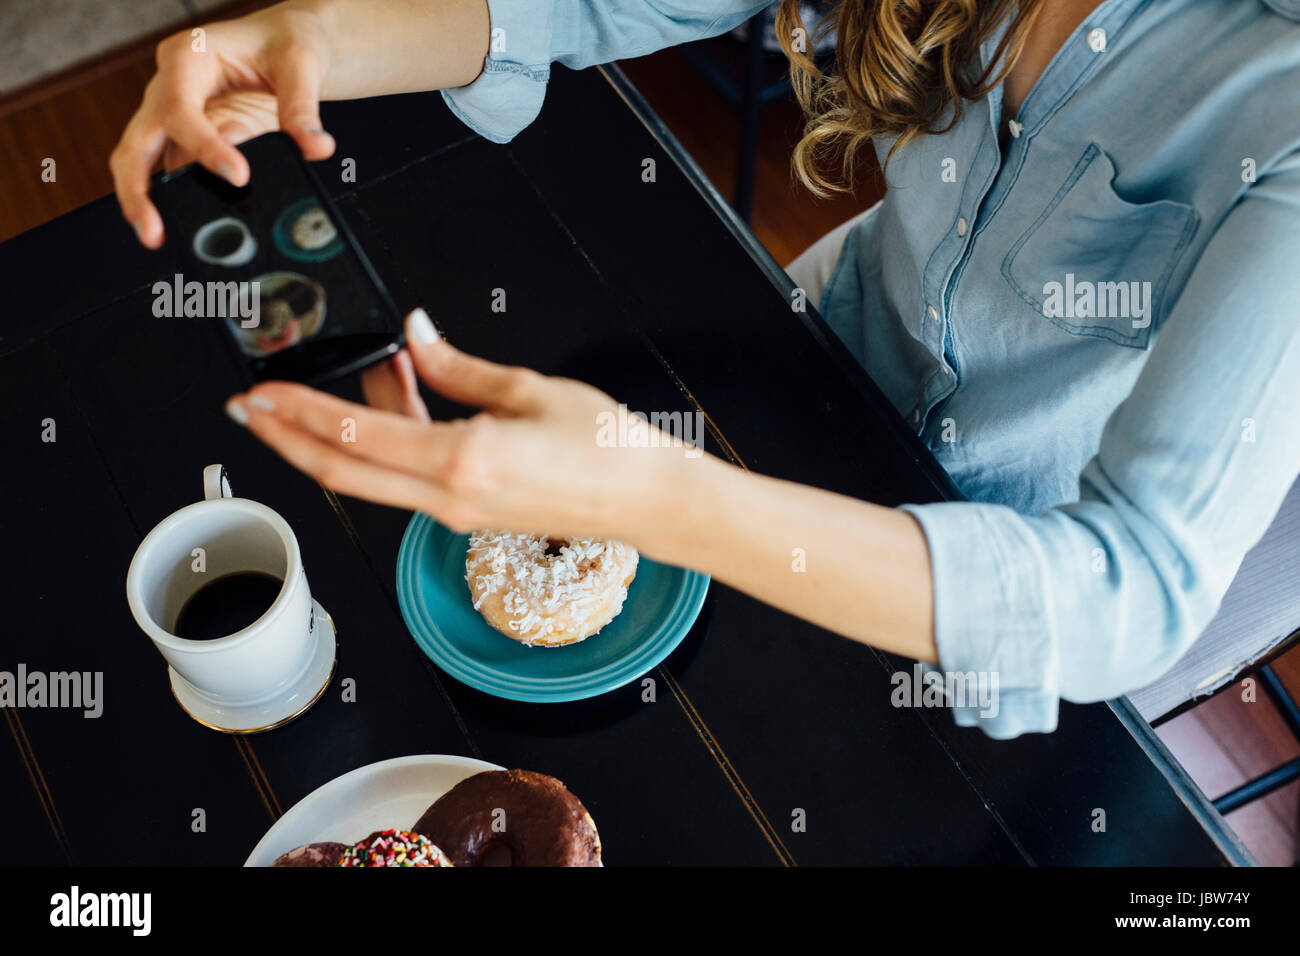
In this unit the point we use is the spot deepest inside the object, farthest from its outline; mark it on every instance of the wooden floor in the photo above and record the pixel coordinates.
(1226, 741)
(75, 127)
(74, 119)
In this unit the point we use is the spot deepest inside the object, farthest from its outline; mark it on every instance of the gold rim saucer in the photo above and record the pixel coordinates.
(283, 720)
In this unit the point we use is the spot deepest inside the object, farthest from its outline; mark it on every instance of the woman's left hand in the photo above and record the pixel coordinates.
(529, 462)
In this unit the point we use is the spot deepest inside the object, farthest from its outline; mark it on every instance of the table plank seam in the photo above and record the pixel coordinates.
(260, 781)
(397, 170)
(729, 771)
(711, 743)
(262, 785)
(50, 329)
(434, 675)
(993, 811)
(349, 528)
(39, 783)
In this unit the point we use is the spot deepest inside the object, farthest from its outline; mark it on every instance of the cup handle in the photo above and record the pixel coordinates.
(215, 483)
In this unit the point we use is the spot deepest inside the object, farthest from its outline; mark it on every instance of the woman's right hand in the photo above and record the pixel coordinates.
(247, 77)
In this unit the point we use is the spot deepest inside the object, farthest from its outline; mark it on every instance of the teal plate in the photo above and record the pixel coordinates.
(662, 604)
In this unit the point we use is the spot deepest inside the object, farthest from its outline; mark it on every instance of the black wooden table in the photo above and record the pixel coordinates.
(649, 290)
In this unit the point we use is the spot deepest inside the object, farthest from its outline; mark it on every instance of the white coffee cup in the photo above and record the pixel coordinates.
(258, 676)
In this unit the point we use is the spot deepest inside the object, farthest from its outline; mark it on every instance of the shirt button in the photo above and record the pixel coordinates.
(1016, 128)
(961, 226)
(1097, 40)
(933, 313)
(916, 416)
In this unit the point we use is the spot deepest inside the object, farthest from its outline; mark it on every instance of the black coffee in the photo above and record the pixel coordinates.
(226, 605)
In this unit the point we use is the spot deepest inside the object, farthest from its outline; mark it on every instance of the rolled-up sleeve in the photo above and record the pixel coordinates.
(527, 36)
(1098, 597)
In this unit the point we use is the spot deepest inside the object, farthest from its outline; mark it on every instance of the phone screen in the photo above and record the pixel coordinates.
(274, 263)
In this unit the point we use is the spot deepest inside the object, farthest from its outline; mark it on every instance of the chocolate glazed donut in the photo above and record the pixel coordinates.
(540, 823)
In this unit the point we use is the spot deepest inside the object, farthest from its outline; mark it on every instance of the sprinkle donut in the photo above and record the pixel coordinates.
(547, 591)
(394, 848)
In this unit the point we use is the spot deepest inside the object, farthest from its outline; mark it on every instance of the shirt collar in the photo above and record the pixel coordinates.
(1071, 64)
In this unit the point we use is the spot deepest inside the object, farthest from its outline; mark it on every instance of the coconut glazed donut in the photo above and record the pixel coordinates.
(514, 818)
(313, 229)
(547, 591)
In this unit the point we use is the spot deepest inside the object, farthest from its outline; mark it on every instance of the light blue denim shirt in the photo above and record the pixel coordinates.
(1095, 330)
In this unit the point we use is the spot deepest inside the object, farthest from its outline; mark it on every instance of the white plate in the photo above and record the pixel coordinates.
(391, 793)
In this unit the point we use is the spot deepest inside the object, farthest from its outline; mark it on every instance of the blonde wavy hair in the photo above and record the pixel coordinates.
(900, 64)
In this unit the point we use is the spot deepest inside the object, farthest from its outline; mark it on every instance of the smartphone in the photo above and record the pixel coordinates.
(277, 266)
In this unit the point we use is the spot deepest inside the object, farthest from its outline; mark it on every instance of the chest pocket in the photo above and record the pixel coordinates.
(1095, 264)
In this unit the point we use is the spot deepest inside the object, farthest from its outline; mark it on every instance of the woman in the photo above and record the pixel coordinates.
(1079, 289)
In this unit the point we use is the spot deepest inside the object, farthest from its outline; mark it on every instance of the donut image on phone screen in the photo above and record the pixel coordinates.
(291, 309)
(225, 242)
(304, 232)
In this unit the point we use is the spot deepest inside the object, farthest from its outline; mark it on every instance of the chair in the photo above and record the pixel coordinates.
(757, 87)
(1258, 620)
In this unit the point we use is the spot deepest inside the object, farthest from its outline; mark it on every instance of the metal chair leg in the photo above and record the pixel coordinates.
(1277, 691)
(1278, 777)
(1261, 786)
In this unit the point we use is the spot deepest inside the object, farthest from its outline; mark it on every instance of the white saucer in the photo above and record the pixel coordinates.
(296, 699)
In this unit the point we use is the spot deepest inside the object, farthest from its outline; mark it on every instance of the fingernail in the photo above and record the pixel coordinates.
(261, 402)
(420, 327)
(236, 412)
(139, 229)
(316, 131)
(227, 172)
